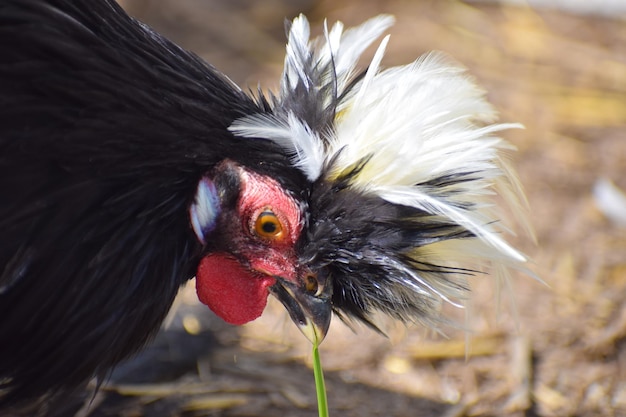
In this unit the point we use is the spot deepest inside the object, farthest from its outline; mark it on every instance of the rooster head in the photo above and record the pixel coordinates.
(396, 211)
(249, 225)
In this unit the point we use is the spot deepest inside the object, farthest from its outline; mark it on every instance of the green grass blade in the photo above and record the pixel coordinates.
(320, 386)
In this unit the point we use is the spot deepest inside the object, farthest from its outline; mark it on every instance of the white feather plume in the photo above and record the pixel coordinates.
(345, 48)
(297, 56)
(424, 121)
(330, 61)
(306, 148)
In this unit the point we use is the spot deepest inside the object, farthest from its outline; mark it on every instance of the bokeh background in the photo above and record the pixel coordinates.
(553, 349)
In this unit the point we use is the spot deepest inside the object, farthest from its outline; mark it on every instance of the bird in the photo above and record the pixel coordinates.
(129, 166)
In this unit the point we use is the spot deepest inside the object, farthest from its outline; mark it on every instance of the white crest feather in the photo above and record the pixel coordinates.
(291, 134)
(353, 42)
(298, 54)
(323, 63)
(418, 124)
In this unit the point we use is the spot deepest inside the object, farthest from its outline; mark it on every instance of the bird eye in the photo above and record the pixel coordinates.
(268, 225)
(311, 284)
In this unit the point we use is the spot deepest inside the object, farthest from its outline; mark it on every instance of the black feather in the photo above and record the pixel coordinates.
(105, 130)
(312, 100)
(370, 248)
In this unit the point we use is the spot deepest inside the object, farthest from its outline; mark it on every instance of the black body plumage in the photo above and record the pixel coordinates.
(105, 130)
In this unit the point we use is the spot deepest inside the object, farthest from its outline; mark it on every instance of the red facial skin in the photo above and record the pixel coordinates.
(235, 286)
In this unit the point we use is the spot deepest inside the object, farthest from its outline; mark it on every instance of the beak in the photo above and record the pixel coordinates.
(308, 305)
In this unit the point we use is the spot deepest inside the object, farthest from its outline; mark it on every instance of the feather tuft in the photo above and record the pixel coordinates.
(316, 73)
(404, 164)
(302, 144)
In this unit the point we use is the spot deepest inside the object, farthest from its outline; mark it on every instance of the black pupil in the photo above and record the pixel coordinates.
(269, 226)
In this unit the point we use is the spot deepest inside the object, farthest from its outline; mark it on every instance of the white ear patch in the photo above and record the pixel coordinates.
(204, 210)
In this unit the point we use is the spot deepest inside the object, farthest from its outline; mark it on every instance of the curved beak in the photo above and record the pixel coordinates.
(308, 305)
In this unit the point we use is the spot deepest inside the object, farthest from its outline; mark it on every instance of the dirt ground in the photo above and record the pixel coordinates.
(544, 350)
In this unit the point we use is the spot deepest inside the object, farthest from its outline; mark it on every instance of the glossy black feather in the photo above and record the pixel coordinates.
(370, 249)
(105, 129)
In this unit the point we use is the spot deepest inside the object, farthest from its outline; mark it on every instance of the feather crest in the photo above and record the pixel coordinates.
(403, 164)
(316, 73)
(422, 123)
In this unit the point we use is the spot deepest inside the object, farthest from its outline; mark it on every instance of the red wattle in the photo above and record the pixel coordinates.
(230, 290)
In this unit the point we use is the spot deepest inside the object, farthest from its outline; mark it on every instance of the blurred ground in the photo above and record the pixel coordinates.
(559, 350)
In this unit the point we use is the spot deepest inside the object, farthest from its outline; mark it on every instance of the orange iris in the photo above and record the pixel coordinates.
(268, 225)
